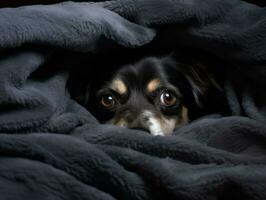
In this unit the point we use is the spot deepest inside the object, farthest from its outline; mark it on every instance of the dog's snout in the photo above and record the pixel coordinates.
(141, 121)
(147, 121)
(136, 120)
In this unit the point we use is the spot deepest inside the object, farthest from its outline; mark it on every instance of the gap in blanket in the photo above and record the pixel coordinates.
(92, 70)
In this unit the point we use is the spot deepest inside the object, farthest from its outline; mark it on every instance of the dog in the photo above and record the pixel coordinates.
(151, 95)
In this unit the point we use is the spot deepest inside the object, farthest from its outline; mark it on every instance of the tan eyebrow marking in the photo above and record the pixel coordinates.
(119, 86)
(153, 84)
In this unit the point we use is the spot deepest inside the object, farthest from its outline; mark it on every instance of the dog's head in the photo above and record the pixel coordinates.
(148, 95)
(141, 96)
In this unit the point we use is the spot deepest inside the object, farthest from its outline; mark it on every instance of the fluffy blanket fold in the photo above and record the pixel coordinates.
(53, 148)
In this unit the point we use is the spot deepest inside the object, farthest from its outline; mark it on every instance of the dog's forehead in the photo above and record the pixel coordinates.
(148, 72)
(152, 67)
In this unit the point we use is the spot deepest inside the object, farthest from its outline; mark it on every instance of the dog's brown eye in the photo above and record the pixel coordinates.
(167, 98)
(107, 101)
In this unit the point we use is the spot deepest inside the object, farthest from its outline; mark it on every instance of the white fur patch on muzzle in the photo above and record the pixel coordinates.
(157, 126)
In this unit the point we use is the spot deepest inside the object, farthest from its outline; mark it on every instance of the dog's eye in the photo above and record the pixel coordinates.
(108, 101)
(167, 98)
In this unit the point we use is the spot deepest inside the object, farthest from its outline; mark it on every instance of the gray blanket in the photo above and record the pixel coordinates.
(53, 148)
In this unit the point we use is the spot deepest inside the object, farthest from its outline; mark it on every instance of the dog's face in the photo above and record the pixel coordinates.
(141, 96)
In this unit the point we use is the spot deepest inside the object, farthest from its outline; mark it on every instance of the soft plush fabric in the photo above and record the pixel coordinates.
(53, 148)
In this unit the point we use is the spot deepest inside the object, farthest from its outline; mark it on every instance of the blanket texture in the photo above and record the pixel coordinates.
(53, 148)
